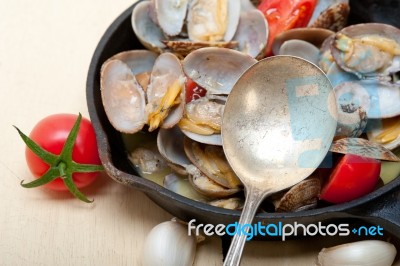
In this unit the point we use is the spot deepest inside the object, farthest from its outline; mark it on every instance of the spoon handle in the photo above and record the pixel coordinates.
(254, 197)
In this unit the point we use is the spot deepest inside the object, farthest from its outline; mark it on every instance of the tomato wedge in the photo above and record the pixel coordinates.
(193, 91)
(353, 177)
(284, 15)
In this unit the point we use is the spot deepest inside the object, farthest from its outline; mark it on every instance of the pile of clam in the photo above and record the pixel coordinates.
(147, 90)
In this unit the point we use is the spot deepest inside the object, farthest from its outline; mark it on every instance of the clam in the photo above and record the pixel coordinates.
(300, 197)
(333, 18)
(213, 20)
(202, 117)
(367, 50)
(386, 132)
(364, 148)
(322, 6)
(123, 98)
(147, 161)
(252, 33)
(314, 36)
(170, 146)
(378, 100)
(165, 94)
(229, 203)
(183, 26)
(216, 69)
(204, 185)
(352, 121)
(182, 186)
(128, 106)
(211, 161)
(300, 49)
(148, 33)
(171, 15)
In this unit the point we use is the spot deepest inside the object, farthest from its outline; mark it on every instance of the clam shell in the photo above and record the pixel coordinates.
(185, 47)
(171, 15)
(378, 100)
(123, 98)
(300, 49)
(359, 30)
(202, 18)
(206, 186)
(214, 139)
(380, 126)
(352, 121)
(322, 6)
(170, 146)
(314, 36)
(166, 70)
(139, 61)
(363, 147)
(333, 18)
(300, 197)
(229, 203)
(148, 33)
(246, 5)
(252, 33)
(182, 186)
(197, 154)
(216, 69)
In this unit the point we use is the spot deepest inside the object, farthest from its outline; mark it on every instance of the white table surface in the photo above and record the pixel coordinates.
(45, 51)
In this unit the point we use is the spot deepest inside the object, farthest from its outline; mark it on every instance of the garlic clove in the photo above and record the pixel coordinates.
(169, 244)
(367, 253)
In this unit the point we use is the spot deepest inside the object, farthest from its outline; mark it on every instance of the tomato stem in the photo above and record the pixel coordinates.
(61, 167)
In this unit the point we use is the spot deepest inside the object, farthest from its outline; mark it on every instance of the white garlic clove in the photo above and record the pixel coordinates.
(169, 244)
(367, 252)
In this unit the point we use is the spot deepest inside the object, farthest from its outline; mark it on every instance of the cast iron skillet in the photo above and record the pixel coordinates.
(381, 207)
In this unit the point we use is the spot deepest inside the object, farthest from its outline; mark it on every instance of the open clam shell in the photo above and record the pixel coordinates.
(139, 61)
(207, 186)
(170, 146)
(216, 69)
(252, 33)
(378, 100)
(229, 203)
(211, 21)
(363, 147)
(211, 161)
(167, 70)
(123, 98)
(386, 132)
(363, 58)
(171, 15)
(148, 33)
(300, 49)
(315, 36)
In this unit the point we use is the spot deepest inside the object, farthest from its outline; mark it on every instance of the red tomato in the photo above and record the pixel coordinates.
(353, 177)
(51, 133)
(284, 15)
(193, 91)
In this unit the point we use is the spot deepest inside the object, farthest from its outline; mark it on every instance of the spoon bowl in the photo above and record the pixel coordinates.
(278, 124)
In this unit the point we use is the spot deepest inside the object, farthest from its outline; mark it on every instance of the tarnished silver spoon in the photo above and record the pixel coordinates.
(278, 124)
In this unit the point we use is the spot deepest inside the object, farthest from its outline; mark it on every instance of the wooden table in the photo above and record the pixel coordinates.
(45, 50)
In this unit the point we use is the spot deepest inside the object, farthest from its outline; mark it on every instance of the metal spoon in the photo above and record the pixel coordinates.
(278, 124)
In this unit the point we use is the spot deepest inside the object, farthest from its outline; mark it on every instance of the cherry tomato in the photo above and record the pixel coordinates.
(284, 15)
(353, 177)
(51, 134)
(193, 91)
